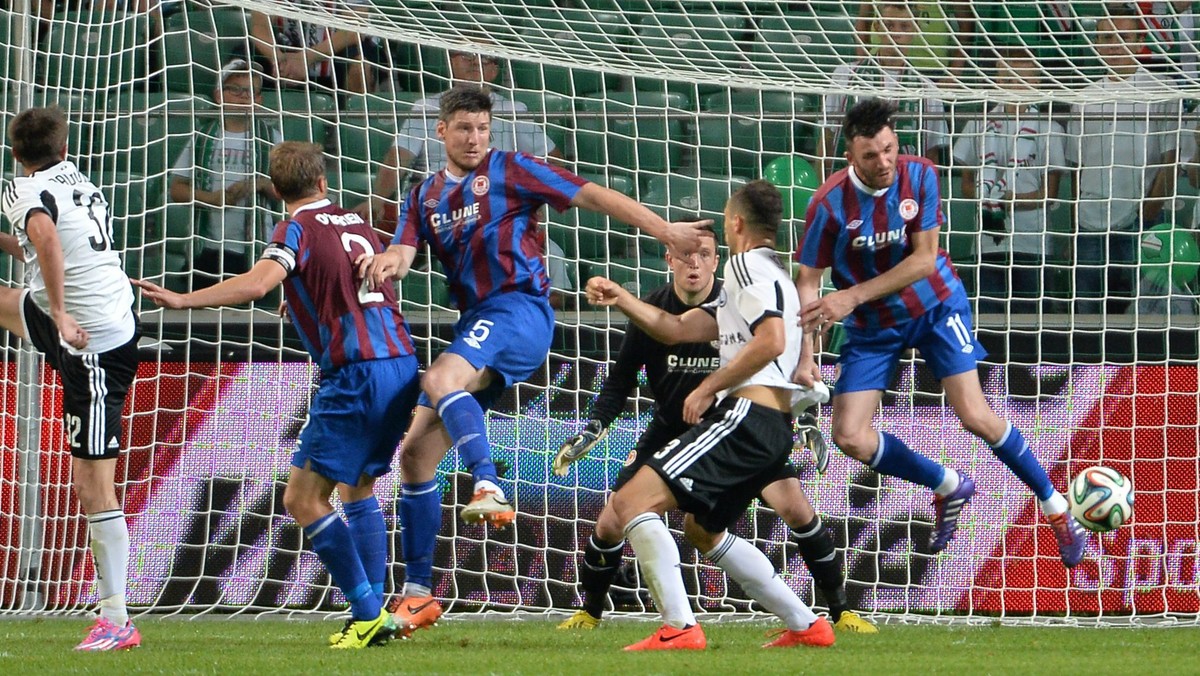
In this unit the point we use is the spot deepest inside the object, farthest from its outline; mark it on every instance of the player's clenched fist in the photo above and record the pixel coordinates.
(377, 269)
(603, 291)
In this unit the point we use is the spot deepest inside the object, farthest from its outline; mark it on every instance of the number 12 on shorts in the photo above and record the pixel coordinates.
(959, 327)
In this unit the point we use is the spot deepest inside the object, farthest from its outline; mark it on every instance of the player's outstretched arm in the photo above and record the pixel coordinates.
(682, 236)
(43, 234)
(380, 268)
(693, 326)
(248, 286)
(769, 341)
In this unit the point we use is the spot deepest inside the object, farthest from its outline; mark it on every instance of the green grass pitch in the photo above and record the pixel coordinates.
(534, 646)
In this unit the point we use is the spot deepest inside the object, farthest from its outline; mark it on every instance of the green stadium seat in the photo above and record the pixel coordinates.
(136, 214)
(368, 129)
(198, 42)
(421, 289)
(744, 141)
(98, 51)
(676, 197)
(632, 133)
(556, 114)
(574, 33)
(707, 42)
(784, 45)
(348, 188)
(302, 116)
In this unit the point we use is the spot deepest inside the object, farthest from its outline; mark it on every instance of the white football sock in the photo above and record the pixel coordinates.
(752, 570)
(489, 486)
(658, 556)
(110, 553)
(1055, 504)
(417, 590)
(949, 483)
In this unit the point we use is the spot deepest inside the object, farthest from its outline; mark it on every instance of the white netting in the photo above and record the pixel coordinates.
(674, 104)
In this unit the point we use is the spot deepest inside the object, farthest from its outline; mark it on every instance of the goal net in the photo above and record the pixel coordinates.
(1085, 281)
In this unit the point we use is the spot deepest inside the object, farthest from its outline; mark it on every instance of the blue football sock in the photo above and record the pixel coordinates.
(369, 532)
(1014, 451)
(420, 521)
(463, 418)
(895, 458)
(331, 540)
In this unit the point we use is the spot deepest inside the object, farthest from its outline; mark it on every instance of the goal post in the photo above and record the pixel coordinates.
(675, 104)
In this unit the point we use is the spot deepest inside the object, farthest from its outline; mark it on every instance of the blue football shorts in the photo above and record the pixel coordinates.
(944, 335)
(357, 419)
(509, 334)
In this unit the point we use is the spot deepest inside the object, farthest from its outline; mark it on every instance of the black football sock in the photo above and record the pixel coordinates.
(600, 563)
(824, 563)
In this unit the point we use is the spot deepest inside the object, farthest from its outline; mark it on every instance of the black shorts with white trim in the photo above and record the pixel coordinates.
(718, 467)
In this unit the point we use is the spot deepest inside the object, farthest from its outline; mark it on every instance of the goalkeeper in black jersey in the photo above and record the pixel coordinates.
(672, 372)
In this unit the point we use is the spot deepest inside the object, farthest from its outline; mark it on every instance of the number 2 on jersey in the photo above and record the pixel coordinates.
(365, 294)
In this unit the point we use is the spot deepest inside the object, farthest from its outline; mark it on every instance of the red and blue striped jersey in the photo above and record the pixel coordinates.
(484, 227)
(862, 234)
(340, 321)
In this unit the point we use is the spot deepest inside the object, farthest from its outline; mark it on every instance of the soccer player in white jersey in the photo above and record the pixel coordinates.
(77, 309)
(742, 414)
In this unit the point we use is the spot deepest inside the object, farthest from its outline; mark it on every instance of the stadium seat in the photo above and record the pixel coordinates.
(421, 288)
(629, 131)
(98, 51)
(145, 132)
(555, 114)
(784, 45)
(676, 196)
(575, 32)
(197, 43)
(348, 188)
(743, 142)
(302, 116)
(136, 214)
(369, 127)
(699, 41)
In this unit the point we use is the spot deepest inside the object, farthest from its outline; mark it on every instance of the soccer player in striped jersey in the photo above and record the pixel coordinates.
(741, 436)
(479, 217)
(876, 223)
(369, 382)
(672, 373)
(77, 310)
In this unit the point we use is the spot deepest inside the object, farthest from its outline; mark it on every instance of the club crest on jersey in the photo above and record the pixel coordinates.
(480, 185)
(908, 209)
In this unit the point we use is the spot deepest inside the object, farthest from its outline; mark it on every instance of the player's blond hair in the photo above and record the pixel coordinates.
(38, 135)
(296, 169)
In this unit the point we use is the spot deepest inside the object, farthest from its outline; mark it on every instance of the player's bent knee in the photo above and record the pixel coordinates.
(608, 526)
(856, 444)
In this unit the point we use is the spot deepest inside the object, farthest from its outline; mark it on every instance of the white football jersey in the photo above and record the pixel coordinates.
(757, 286)
(96, 291)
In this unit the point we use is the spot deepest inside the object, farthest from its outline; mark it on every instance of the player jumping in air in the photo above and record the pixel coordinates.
(736, 448)
(78, 311)
(876, 224)
(673, 371)
(479, 217)
(368, 386)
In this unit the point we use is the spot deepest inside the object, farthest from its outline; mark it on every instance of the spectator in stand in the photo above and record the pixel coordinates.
(296, 52)
(562, 277)
(1012, 164)
(224, 170)
(921, 127)
(939, 45)
(1171, 33)
(1125, 151)
(418, 149)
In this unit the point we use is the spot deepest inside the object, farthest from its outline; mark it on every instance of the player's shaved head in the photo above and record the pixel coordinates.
(464, 98)
(867, 118)
(760, 204)
(297, 169)
(37, 136)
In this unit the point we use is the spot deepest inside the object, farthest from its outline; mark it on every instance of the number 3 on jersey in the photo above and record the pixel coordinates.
(365, 294)
(97, 210)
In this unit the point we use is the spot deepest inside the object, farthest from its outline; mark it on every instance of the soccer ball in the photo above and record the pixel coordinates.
(1101, 499)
